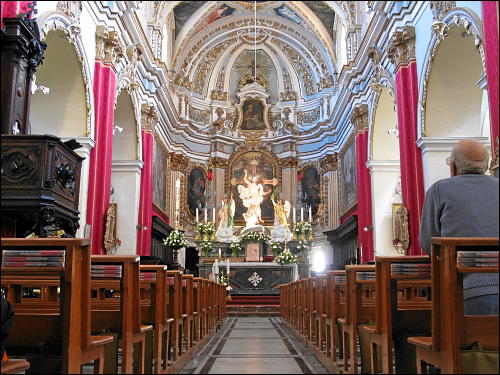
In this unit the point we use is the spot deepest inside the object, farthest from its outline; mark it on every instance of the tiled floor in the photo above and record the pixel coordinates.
(254, 345)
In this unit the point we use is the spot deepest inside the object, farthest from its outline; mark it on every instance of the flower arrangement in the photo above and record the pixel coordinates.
(222, 278)
(286, 257)
(206, 229)
(206, 247)
(303, 246)
(175, 240)
(302, 228)
(235, 248)
(275, 247)
(254, 237)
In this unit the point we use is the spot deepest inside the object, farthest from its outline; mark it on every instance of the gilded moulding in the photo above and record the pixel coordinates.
(401, 47)
(109, 48)
(359, 117)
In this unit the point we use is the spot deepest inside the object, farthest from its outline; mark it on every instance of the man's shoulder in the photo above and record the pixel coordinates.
(453, 182)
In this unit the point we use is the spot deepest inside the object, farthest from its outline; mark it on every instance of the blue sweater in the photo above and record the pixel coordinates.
(463, 206)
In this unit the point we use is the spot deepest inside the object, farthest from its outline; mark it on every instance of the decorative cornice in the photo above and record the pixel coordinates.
(402, 46)
(329, 163)
(289, 162)
(149, 117)
(108, 46)
(440, 8)
(218, 162)
(178, 162)
(359, 117)
(72, 9)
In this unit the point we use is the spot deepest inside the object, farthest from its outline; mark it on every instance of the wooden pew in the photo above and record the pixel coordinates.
(14, 366)
(174, 283)
(398, 308)
(358, 310)
(451, 329)
(124, 317)
(62, 322)
(198, 309)
(335, 306)
(187, 311)
(320, 314)
(154, 310)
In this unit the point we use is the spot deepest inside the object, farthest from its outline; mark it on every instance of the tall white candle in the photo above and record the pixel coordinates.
(197, 215)
(220, 253)
(293, 215)
(213, 214)
(301, 213)
(205, 215)
(310, 214)
(227, 267)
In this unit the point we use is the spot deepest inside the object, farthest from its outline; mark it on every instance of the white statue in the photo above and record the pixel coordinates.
(225, 218)
(252, 196)
(281, 232)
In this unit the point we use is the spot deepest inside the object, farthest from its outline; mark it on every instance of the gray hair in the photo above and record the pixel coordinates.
(466, 166)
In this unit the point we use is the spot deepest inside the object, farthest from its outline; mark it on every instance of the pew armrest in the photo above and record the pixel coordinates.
(100, 340)
(423, 342)
(146, 328)
(13, 366)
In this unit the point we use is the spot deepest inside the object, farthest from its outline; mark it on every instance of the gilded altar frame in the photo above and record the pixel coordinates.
(265, 115)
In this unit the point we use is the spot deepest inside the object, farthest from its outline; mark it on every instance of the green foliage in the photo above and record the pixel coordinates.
(206, 247)
(286, 257)
(303, 228)
(275, 247)
(254, 237)
(206, 229)
(235, 248)
(175, 240)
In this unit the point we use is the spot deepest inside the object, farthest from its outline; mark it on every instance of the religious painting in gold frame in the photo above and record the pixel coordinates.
(253, 115)
(347, 180)
(262, 166)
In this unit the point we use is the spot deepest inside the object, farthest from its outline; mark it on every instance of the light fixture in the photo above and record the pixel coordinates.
(368, 228)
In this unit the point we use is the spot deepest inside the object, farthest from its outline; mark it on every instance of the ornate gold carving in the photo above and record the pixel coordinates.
(378, 71)
(308, 117)
(329, 162)
(440, 8)
(400, 228)
(219, 93)
(108, 47)
(359, 117)
(494, 161)
(127, 78)
(149, 117)
(178, 162)
(218, 162)
(402, 46)
(289, 162)
(72, 9)
(200, 116)
(289, 94)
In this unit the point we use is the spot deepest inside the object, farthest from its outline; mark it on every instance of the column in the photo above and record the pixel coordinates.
(108, 50)
(490, 31)
(329, 167)
(149, 118)
(218, 166)
(359, 118)
(401, 52)
(289, 179)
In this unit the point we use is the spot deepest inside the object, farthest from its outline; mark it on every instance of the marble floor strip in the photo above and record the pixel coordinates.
(254, 345)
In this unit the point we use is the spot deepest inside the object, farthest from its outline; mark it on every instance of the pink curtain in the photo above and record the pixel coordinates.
(412, 181)
(11, 9)
(101, 154)
(365, 236)
(146, 197)
(490, 30)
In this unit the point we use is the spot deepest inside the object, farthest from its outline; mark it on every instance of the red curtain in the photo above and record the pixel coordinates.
(490, 30)
(412, 180)
(101, 154)
(14, 8)
(146, 197)
(365, 223)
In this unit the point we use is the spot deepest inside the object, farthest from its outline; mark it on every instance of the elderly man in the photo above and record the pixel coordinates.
(465, 205)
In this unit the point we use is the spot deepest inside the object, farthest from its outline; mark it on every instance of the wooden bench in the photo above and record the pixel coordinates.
(359, 308)
(335, 309)
(451, 329)
(402, 303)
(14, 366)
(63, 323)
(174, 283)
(154, 311)
(123, 316)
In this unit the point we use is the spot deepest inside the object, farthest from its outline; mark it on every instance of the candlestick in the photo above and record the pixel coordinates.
(205, 215)
(293, 216)
(197, 216)
(310, 214)
(301, 213)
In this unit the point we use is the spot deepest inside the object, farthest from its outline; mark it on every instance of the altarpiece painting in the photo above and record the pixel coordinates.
(253, 115)
(311, 190)
(160, 177)
(196, 187)
(348, 181)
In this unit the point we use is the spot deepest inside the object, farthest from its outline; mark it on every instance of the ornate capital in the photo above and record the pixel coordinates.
(289, 162)
(72, 9)
(134, 52)
(329, 162)
(178, 162)
(402, 46)
(440, 8)
(218, 162)
(359, 117)
(149, 117)
(108, 47)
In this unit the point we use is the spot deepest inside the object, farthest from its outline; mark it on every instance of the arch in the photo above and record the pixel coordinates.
(56, 20)
(60, 72)
(126, 143)
(384, 145)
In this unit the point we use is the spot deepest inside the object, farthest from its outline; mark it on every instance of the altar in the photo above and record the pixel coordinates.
(254, 278)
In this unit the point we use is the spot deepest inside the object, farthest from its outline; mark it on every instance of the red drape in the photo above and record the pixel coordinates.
(412, 180)
(490, 30)
(13, 8)
(101, 154)
(146, 197)
(365, 223)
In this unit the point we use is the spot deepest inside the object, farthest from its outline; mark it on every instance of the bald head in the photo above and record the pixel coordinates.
(470, 157)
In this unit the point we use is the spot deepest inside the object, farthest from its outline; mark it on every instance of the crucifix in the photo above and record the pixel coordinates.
(253, 165)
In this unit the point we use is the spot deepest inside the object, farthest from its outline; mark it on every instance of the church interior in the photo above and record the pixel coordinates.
(244, 186)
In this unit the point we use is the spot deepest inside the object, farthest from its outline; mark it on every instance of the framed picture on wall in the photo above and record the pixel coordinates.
(348, 187)
(160, 177)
